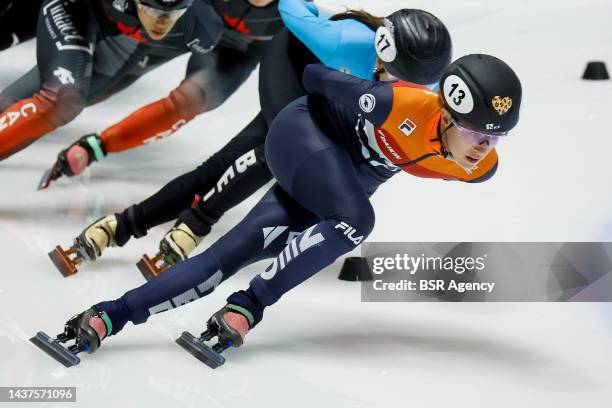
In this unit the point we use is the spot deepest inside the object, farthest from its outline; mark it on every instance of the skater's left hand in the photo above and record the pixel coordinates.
(73, 160)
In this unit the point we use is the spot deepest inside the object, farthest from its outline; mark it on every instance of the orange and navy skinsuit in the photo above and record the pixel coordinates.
(398, 125)
(319, 209)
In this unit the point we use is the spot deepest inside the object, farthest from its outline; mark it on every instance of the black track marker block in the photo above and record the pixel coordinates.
(355, 268)
(596, 70)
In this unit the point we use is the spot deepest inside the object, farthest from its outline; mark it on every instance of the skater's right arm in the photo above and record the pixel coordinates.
(344, 44)
(311, 27)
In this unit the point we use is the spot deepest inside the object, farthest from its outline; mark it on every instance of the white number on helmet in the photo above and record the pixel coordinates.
(458, 95)
(385, 45)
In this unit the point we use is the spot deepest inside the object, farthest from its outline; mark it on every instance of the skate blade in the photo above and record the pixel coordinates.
(200, 350)
(55, 350)
(46, 179)
(148, 267)
(62, 262)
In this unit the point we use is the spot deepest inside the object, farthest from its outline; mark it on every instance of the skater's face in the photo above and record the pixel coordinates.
(156, 22)
(466, 147)
(260, 3)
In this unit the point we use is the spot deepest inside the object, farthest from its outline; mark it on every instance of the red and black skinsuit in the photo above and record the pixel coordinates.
(89, 50)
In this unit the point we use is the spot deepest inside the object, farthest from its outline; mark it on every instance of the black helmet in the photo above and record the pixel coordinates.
(414, 45)
(167, 5)
(482, 92)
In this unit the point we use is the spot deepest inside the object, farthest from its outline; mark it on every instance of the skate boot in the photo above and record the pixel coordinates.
(88, 329)
(230, 325)
(73, 160)
(175, 247)
(87, 246)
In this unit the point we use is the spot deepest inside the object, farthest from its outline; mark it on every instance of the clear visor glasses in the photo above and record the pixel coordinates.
(159, 13)
(476, 138)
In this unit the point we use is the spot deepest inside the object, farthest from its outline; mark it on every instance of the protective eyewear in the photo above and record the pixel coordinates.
(158, 13)
(476, 138)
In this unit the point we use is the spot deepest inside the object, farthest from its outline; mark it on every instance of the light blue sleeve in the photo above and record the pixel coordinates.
(345, 45)
(315, 30)
(357, 54)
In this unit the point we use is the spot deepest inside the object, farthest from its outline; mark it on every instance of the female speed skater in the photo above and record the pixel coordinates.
(89, 50)
(421, 53)
(325, 174)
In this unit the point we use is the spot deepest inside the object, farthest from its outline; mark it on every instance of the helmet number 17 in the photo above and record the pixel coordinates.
(383, 43)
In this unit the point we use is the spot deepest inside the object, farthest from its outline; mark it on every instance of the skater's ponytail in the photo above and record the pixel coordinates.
(373, 22)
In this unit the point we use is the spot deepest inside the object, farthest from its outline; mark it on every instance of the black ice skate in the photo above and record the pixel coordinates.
(87, 246)
(91, 149)
(64, 260)
(78, 329)
(49, 176)
(217, 326)
(175, 247)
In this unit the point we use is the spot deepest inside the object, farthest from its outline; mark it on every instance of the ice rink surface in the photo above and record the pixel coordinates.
(320, 346)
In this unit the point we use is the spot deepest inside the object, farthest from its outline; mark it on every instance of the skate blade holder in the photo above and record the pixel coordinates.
(63, 261)
(48, 177)
(152, 267)
(51, 346)
(211, 356)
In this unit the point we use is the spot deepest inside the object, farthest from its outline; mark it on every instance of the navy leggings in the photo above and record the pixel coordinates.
(318, 211)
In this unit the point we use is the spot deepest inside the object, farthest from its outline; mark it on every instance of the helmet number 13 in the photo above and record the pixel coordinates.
(460, 95)
(457, 95)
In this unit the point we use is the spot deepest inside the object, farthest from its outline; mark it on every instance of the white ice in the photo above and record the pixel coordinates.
(320, 346)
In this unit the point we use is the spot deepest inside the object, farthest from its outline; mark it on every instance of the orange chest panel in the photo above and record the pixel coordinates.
(409, 138)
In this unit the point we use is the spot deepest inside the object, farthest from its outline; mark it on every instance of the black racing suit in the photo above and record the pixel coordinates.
(89, 50)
